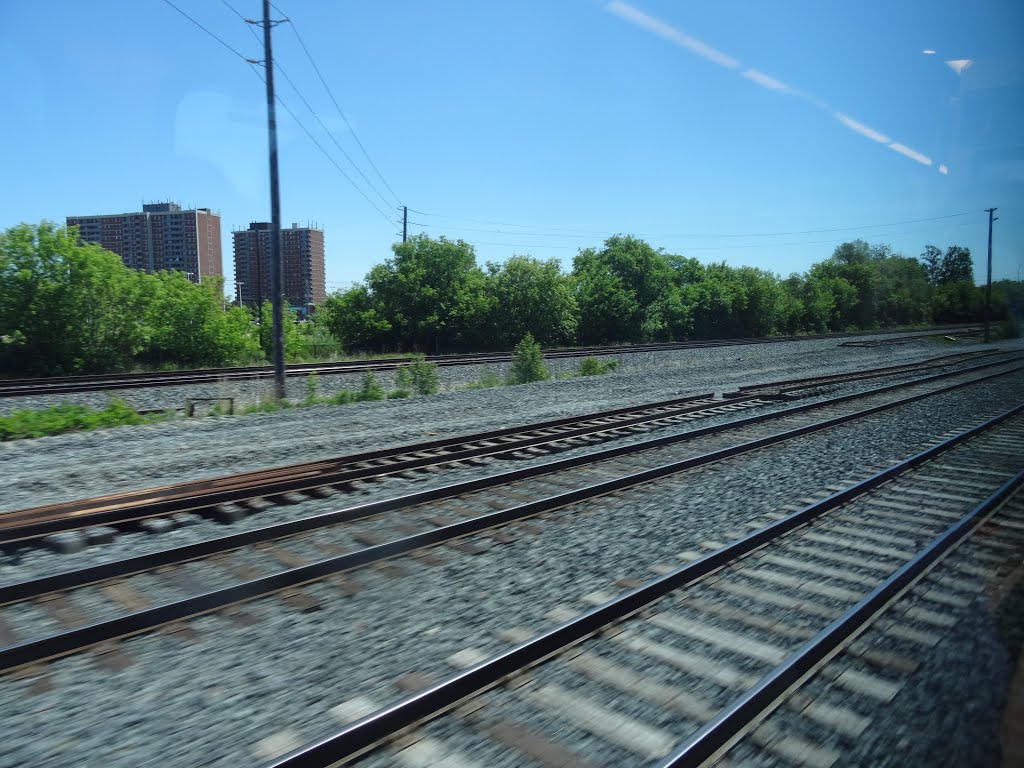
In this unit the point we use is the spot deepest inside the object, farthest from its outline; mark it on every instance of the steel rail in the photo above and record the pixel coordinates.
(731, 722)
(88, 383)
(126, 567)
(70, 641)
(68, 385)
(199, 494)
(368, 732)
(873, 373)
(120, 508)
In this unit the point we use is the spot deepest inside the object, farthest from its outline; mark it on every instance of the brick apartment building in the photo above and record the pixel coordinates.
(302, 256)
(161, 236)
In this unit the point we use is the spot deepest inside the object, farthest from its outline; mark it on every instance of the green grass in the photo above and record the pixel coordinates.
(591, 366)
(487, 380)
(419, 377)
(70, 418)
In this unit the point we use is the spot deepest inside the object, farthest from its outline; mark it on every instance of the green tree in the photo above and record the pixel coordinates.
(622, 290)
(188, 325)
(853, 263)
(902, 292)
(931, 258)
(431, 292)
(296, 341)
(528, 296)
(65, 307)
(958, 302)
(355, 318)
(957, 266)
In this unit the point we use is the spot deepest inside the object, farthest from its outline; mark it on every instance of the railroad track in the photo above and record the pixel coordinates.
(76, 384)
(904, 339)
(96, 606)
(819, 615)
(233, 497)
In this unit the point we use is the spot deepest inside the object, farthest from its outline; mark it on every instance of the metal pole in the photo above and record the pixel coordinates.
(276, 270)
(238, 288)
(988, 283)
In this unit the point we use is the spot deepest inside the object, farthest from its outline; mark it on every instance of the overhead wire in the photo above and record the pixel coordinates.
(252, 66)
(577, 232)
(689, 248)
(337, 106)
(211, 34)
(581, 232)
(312, 111)
(319, 146)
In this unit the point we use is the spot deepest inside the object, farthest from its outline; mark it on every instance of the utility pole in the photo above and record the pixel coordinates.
(238, 289)
(405, 221)
(276, 269)
(988, 283)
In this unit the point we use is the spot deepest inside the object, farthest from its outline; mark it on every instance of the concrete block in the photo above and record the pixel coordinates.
(101, 534)
(66, 542)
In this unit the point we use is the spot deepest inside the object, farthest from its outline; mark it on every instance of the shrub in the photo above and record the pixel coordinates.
(343, 397)
(419, 376)
(1008, 329)
(425, 378)
(312, 387)
(403, 377)
(371, 389)
(527, 362)
(487, 381)
(398, 394)
(591, 366)
(68, 418)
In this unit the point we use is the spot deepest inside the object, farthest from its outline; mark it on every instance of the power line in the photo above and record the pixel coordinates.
(315, 115)
(330, 135)
(581, 232)
(687, 249)
(252, 66)
(211, 34)
(338, 107)
(232, 9)
(319, 146)
(333, 162)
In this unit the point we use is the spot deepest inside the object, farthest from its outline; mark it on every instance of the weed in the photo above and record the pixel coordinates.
(425, 379)
(1008, 329)
(487, 380)
(312, 388)
(419, 376)
(371, 388)
(398, 394)
(527, 362)
(343, 397)
(69, 418)
(591, 366)
(403, 377)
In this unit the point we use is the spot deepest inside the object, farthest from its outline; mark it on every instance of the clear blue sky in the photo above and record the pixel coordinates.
(565, 120)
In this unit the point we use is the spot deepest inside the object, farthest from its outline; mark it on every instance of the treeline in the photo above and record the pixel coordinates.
(433, 296)
(68, 307)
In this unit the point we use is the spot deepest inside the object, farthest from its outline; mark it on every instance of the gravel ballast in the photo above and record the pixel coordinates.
(211, 701)
(66, 551)
(79, 465)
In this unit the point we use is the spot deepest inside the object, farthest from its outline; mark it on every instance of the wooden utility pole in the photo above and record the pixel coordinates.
(276, 269)
(405, 221)
(988, 282)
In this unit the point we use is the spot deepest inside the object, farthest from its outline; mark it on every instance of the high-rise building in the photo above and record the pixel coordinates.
(302, 256)
(162, 236)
